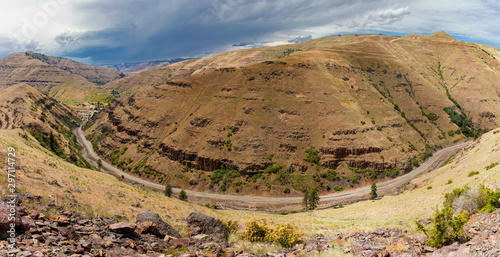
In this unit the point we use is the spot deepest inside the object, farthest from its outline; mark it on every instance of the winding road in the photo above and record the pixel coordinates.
(92, 158)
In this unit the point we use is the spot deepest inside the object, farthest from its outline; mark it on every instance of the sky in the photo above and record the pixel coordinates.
(117, 31)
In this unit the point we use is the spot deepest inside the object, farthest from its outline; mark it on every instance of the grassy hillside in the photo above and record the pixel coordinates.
(94, 193)
(43, 117)
(66, 80)
(337, 111)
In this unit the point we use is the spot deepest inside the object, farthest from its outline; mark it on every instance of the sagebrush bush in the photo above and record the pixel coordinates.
(285, 235)
(256, 230)
(230, 225)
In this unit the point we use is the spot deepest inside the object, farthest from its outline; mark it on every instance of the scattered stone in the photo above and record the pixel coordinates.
(179, 242)
(54, 183)
(202, 237)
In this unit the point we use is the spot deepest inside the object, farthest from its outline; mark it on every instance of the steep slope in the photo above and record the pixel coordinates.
(43, 117)
(184, 69)
(62, 78)
(369, 107)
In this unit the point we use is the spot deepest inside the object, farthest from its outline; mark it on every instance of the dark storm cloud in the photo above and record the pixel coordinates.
(112, 31)
(144, 30)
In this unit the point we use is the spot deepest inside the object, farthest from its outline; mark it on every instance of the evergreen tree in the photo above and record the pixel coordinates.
(313, 199)
(99, 164)
(183, 195)
(373, 193)
(168, 190)
(305, 200)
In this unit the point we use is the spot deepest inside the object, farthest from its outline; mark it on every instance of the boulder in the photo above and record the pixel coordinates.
(155, 225)
(123, 227)
(199, 223)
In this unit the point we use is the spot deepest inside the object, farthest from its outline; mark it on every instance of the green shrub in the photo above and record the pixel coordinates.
(492, 200)
(330, 175)
(414, 162)
(273, 168)
(379, 128)
(286, 190)
(229, 145)
(285, 235)
(338, 188)
(183, 196)
(491, 166)
(473, 173)
(449, 182)
(312, 156)
(446, 228)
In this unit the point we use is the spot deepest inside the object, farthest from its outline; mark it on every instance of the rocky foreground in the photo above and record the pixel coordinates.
(68, 233)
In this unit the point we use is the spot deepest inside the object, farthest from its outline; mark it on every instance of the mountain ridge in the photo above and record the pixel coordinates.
(370, 106)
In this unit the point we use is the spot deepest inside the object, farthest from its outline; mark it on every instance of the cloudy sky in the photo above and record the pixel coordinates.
(115, 31)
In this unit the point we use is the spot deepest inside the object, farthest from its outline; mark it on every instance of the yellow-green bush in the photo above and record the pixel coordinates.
(285, 235)
(230, 225)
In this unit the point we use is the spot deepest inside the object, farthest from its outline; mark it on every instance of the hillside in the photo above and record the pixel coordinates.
(184, 69)
(50, 122)
(259, 121)
(62, 78)
(353, 228)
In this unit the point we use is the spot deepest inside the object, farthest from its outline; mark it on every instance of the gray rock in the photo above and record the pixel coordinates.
(161, 227)
(123, 227)
(199, 223)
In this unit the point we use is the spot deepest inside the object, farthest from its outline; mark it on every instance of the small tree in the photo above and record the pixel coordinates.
(183, 196)
(168, 190)
(373, 193)
(99, 164)
(305, 200)
(313, 199)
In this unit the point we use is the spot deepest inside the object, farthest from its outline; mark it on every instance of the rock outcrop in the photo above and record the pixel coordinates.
(199, 223)
(151, 223)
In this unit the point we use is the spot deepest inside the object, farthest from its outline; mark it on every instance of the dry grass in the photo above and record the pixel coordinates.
(100, 193)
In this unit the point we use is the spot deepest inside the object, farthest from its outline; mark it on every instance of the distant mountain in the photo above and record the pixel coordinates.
(134, 67)
(62, 78)
(363, 107)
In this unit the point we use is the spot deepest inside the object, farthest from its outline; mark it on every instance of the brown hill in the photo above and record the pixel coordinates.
(47, 120)
(369, 107)
(184, 69)
(62, 78)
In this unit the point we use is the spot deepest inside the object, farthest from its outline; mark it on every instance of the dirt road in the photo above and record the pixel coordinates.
(92, 157)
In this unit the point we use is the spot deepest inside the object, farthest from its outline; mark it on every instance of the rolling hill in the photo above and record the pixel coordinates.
(335, 112)
(66, 80)
(42, 116)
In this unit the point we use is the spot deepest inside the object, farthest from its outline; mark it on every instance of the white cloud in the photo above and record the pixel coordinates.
(126, 30)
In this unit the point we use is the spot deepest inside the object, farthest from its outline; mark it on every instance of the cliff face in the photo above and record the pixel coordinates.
(365, 102)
